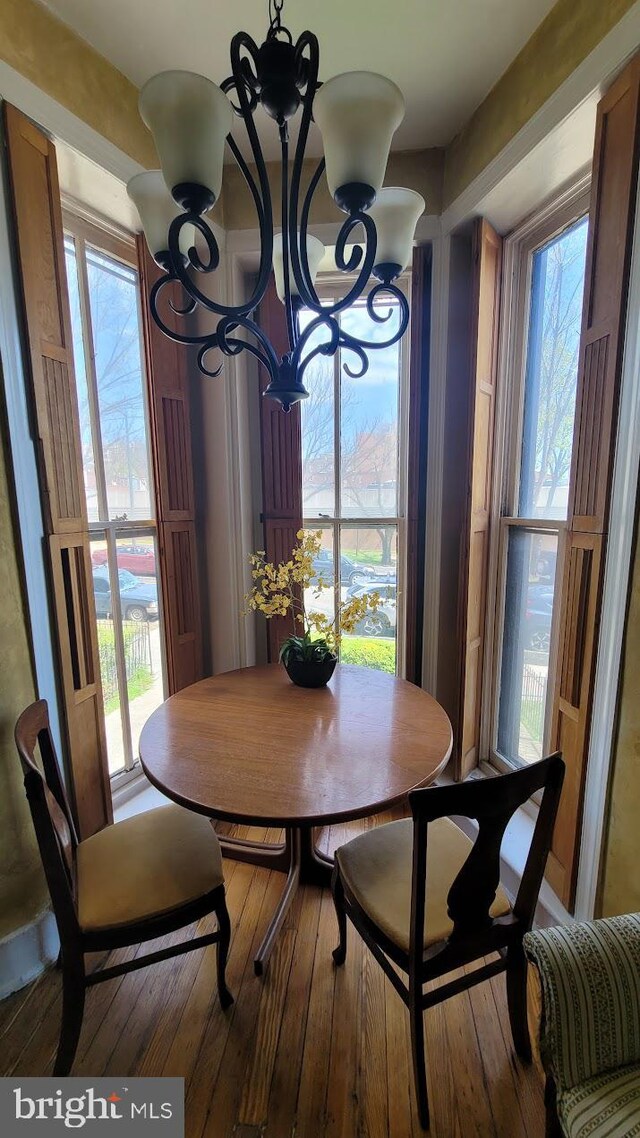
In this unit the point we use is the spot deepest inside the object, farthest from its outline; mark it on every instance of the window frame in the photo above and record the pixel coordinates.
(119, 246)
(557, 215)
(327, 282)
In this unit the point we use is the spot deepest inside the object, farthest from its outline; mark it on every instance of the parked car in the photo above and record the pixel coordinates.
(138, 559)
(537, 617)
(350, 572)
(380, 623)
(546, 566)
(138, 599)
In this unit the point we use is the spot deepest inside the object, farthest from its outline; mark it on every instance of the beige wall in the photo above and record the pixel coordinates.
(419, 170)
(53, 57)
(22, 888)
(621, 871)
(572, 29)
(47, 52)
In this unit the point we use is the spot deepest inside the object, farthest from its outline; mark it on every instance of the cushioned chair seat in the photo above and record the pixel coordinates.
(607, 1106)
(376, 869)
(146, 866)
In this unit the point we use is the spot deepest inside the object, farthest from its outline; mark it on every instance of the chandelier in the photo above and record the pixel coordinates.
(357, 113)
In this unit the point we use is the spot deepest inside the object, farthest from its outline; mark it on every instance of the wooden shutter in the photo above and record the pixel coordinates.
(170, 426)
(417, 445)
(40, 254)
(611, 221)
(474, 552)
(281, 464)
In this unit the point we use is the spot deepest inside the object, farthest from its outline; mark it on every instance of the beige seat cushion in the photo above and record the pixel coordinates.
(146, 866)
(376, 868)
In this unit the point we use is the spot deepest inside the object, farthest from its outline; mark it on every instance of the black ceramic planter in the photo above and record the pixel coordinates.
(311, 673)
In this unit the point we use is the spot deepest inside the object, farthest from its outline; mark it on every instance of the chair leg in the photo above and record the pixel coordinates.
(224, 926)
(339, 953)
(73, 992)
(416, 1020)
(517, 1001)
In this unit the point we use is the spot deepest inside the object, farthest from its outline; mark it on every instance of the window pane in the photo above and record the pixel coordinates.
(531, 566)
(107, 650)
(369, 419)
(368, 559)
(557, 283)
(140, 637)
(113, 289)
(321, 595)
(88, 462)
(318, 430)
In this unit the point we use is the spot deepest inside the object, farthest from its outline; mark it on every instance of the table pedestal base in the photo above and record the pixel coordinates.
(303, 864)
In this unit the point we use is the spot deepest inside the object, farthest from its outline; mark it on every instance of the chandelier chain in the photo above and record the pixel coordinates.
(275, 16)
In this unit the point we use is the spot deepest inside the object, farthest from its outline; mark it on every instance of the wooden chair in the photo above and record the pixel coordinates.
(426, 898)
(139, 879)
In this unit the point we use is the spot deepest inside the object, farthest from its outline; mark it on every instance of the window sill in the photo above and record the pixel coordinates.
(136, 796)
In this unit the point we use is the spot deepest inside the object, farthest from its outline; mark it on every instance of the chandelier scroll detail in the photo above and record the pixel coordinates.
(191, 121)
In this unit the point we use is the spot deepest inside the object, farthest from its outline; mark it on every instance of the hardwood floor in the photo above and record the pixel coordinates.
(309, 1051)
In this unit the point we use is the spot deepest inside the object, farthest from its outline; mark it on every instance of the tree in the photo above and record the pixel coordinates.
(554, 341)
(117, 360)
(369, 450)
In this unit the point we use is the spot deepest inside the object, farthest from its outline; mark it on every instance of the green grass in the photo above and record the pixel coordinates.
(369, 652)
(137, 684)
(139, 674)
(532, 717)
(364, 556)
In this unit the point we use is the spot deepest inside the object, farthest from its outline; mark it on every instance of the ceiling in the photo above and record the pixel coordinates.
(445, 55)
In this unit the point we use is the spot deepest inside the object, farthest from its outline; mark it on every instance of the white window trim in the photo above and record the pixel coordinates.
(554, 216)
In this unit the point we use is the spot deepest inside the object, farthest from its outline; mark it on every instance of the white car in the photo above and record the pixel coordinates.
(383, 621)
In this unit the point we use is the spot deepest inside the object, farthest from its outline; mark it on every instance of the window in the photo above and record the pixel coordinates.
(545, 312)
(105, 317)
(354, 481)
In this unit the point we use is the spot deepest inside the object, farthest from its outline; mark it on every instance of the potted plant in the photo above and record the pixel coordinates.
(310, 653)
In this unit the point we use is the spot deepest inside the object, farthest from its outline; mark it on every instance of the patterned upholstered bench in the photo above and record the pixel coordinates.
(590, 1030)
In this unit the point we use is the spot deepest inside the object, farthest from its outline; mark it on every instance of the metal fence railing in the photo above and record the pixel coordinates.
(534, 699)
(137, 653)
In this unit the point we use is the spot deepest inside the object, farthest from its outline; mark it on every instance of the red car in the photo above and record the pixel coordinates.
(138, 559)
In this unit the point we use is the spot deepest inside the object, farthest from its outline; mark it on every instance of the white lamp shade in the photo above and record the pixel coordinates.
(395, 213)
(189, 118)
(157, 209)
(358, 114)
(315, 253)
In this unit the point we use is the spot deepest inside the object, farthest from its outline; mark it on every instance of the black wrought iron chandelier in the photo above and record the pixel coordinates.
(191, 119)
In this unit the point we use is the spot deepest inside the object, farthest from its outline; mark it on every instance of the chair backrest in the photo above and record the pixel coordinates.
(590, 976)
(52, 819)
(491, 802)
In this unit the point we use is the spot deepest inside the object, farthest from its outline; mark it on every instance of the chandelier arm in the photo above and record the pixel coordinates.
(356, 291)
(288, 305)
(179, 270)
(375, 345)
(249, 179)
(326, 348)
(177, 337)
(240, 40)
(298, 240)
(359, 351)
(188, 309)
(304, 228)
(268, 356)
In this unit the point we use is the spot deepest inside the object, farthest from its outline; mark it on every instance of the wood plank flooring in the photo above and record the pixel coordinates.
(309, 1051)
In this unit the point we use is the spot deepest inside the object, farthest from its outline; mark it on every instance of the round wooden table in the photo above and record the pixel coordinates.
(250, 747)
